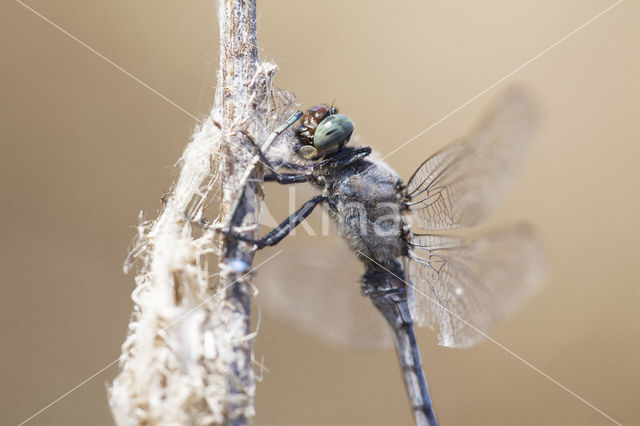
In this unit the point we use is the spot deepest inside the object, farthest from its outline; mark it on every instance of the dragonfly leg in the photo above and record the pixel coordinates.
(346, 156)
(274, 176)
(341, 159)
(285, 178)
(258, 150)
(288, 225)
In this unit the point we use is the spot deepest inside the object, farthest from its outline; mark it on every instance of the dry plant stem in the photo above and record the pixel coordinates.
(238, 108)
(187, 356)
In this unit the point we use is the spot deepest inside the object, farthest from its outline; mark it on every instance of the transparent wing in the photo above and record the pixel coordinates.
(463, 183)
(317, 289)
(467, 285)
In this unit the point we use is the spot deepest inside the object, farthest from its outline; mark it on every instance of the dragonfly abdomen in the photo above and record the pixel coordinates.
(388, 292)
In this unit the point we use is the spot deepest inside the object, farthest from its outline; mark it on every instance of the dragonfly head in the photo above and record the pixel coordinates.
(323, 131)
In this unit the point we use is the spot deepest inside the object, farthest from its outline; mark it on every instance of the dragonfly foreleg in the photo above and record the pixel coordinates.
(285, 178)
(345, 156)
(288, 225)
(274, 176)
(257, 150)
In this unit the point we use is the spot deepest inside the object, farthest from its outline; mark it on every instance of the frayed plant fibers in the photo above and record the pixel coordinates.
(184, 361)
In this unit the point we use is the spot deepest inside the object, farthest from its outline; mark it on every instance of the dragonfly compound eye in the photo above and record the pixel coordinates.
(332, 133)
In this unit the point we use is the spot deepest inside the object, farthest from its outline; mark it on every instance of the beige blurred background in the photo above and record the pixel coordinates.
(85, 148)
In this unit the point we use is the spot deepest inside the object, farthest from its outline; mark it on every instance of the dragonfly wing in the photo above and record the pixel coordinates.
(462, 184)
(465, 285)
(317, 289)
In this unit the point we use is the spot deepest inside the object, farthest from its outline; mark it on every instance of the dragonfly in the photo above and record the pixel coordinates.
(458, 286)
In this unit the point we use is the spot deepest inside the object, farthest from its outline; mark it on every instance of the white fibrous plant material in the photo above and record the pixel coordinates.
(175, 362)
(163, 378)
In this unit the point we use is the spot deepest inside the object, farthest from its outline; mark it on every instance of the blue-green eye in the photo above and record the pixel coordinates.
(332, 133)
